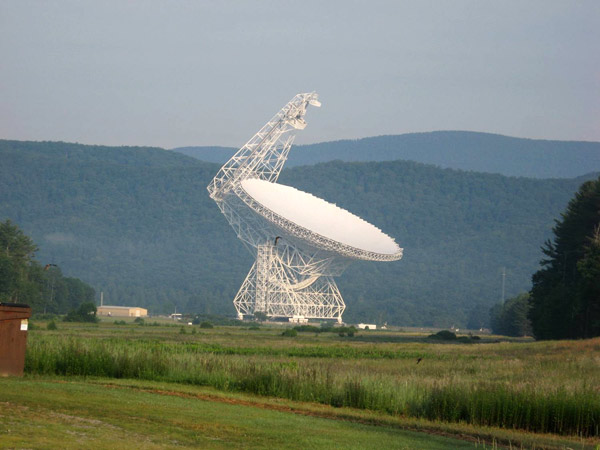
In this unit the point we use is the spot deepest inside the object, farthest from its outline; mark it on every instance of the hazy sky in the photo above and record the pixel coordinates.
(176, 73)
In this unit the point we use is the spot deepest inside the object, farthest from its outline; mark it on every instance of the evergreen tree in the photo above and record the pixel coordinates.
(565, 298)
(588, 293)
(510, 318)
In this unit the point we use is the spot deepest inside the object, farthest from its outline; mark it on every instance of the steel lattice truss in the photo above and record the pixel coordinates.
(292, 274)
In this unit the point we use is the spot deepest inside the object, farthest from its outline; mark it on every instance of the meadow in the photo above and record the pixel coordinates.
(534, 388)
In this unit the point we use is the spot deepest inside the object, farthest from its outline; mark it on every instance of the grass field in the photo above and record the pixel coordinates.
(77, 414)
(515, 392)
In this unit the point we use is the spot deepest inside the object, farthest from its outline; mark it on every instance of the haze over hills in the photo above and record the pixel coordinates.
(465, 150)
(138, 224)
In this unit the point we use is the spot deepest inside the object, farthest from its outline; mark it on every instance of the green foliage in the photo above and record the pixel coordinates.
(120, 322)
(182, 330)
(51, 325)
(86, 312)
(260, 316)
(556, 411)
(206, 324)
(345, 331)
(17, 268)
(23, 280)
(217, 319)
(161, 418)
(123, 219)
(479, 317)
(326, 326)
(289, 332)
(139, 321)
(443, 335)
(453, 385)
(565, 300)
(511, 318)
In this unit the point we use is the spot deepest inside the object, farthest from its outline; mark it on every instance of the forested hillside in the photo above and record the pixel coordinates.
(137, 223)
(480, 152)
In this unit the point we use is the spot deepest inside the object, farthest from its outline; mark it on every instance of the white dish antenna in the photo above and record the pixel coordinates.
(300, 241)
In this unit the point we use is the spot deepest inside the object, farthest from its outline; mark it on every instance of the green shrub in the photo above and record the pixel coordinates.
(326, 326)
(346, 331)
(260, 316)
(120, 322)
(51, 325)
(444, 335)
(182, 330)
(139, 321)
(86, 312)
(289, 332)
(206, 324)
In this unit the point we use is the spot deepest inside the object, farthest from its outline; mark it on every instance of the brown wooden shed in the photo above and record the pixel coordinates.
(14, 321)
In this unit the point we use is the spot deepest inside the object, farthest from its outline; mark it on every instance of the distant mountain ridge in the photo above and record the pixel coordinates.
(138, 224)
(464, 150)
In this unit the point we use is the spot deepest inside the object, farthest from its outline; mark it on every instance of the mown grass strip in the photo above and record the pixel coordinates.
(562, 411)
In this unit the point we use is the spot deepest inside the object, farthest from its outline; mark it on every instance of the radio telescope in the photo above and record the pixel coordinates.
(300, 241)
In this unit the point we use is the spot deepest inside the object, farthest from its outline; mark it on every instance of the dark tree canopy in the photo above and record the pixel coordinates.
(86, 312)
(565, 298)
(24, 280)
(510, 318)
(16, 256)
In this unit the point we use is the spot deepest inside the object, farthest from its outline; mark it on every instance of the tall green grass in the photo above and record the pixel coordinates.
(318, 376)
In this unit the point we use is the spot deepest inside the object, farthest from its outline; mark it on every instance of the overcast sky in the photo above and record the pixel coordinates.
(179, 73)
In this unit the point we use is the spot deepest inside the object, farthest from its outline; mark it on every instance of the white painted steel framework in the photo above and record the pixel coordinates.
(292, 274)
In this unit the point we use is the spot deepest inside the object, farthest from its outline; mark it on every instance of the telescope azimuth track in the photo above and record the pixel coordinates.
(300, 242)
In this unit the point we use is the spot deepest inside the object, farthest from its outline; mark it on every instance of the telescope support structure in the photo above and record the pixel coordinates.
(287, 279)
(270, 288)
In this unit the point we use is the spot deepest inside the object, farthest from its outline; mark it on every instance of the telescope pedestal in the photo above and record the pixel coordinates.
(269, 288)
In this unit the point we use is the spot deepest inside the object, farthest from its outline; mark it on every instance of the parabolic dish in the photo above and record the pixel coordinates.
(318, 221)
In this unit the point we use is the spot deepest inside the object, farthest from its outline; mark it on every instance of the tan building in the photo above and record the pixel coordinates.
(121, 311)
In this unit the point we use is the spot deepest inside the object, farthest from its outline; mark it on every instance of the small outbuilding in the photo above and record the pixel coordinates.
(121, 311)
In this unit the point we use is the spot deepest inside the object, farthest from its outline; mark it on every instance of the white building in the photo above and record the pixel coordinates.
(121, 311)
(298, 319)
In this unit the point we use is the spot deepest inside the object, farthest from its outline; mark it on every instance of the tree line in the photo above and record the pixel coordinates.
(564, 302)
(25, 280)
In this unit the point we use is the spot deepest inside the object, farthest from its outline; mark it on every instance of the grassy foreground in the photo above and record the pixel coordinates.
(540, 387)
(77, 414)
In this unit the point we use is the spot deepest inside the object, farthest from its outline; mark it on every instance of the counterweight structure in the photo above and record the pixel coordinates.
(295, 262)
